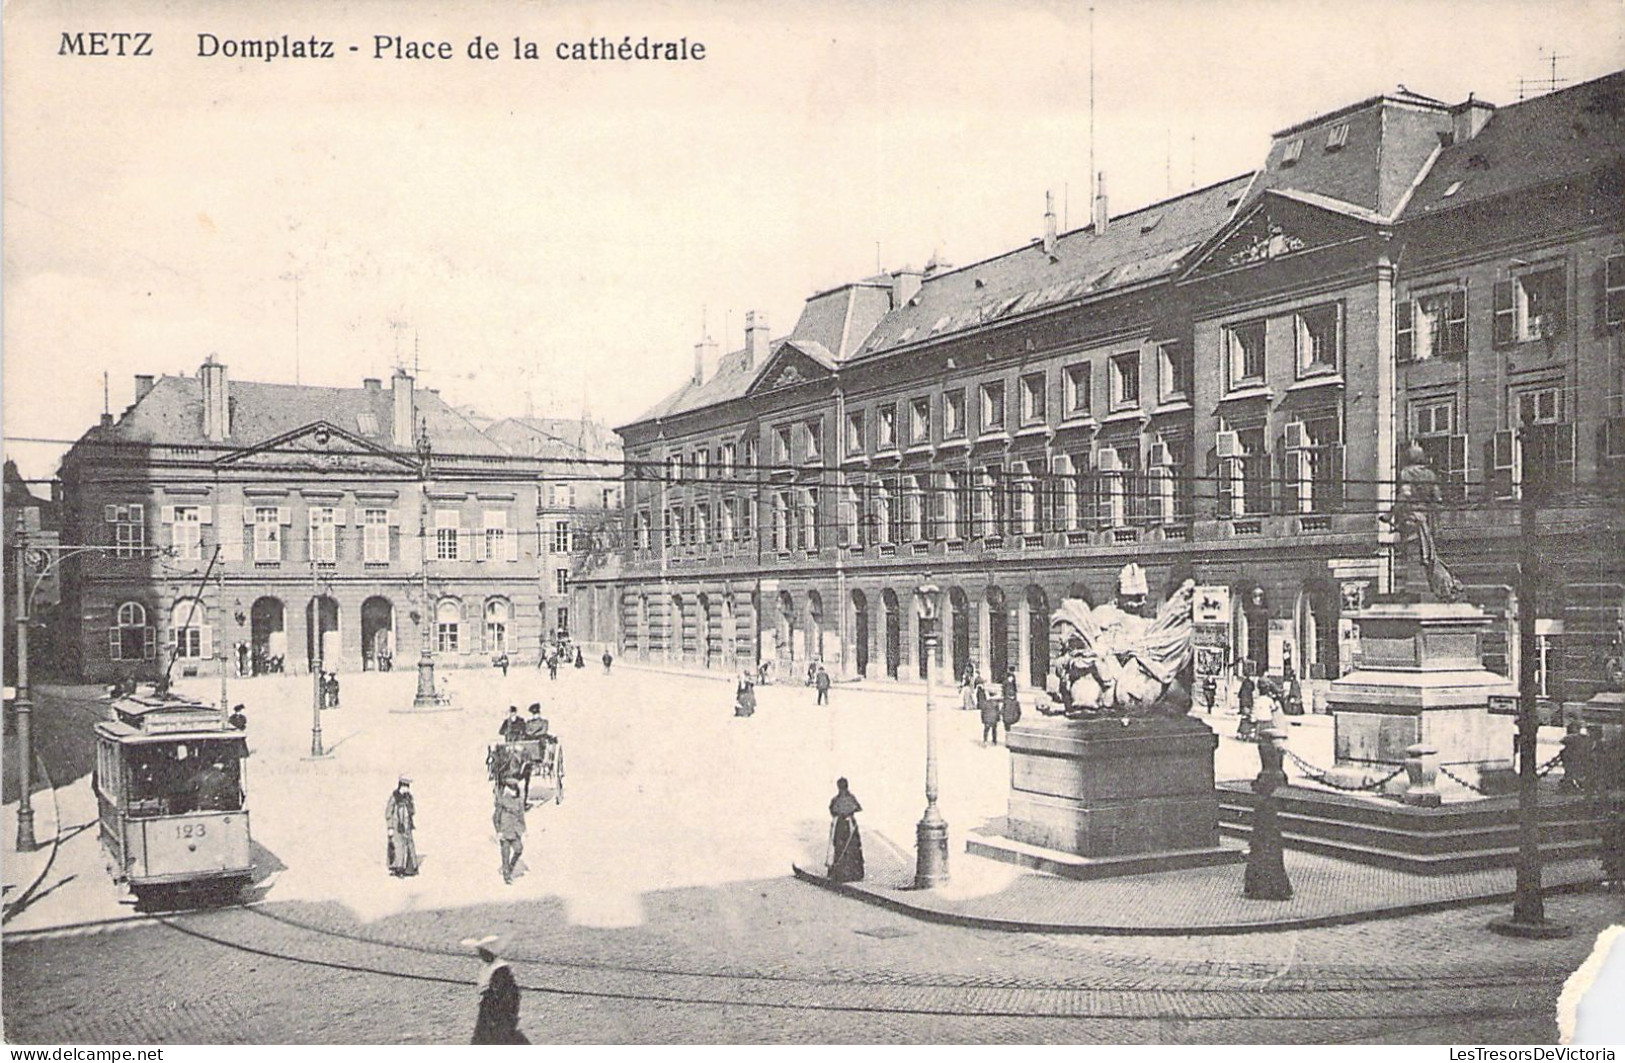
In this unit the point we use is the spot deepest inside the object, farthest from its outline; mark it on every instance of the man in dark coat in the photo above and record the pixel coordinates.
(821, 684)
(237, 718)
(513, 728)
(509, 820)
(498, 1019)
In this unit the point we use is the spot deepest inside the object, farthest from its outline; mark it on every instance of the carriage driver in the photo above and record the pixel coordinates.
(513, 728)
(536, 726)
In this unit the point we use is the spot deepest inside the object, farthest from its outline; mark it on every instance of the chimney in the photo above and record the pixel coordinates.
(403, 426)
(1049, 223)
(705, 359)
(372, 383)
(1469, 117)
(143, 384)
(1102, 218)
(216, 403)
(756, 338)
(905, 285)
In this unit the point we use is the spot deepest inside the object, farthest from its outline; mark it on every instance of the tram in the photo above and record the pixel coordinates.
(169, 786)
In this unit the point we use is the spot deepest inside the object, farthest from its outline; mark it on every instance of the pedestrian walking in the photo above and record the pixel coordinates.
(1010, 710)
(552, 666)
(581, 662)
(967, 691)
(331, 687)
(989, 709)
(498, 1020)
(1265, 703)
(846, 844)
(1291, 690)
(509, 820)
(609, 659)
(502, 663)
(821, 684)
(399, 819)
(1244, 704)
(745, 696)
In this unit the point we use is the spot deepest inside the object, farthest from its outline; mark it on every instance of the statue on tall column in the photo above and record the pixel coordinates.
(1412, 518)
(1112, 658)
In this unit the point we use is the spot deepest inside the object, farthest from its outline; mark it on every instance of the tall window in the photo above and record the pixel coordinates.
(561, 537)
(1064, 474)
(1319, 339)
(375, 536)
(1244, 474)
(919, 420)
(1076, 390)
(884, 510)
(854, 432)
(129, 529)
(496, 625)
(809, 518)
(1538, 453)
(1034, 405)
(447, 528)
(186, 533)
(781, 521)
(1530, 306)
(448, 618)
(886, 422)
(953, 489)
(267, 534)
(323, 535)
(1431, 326)
(1244, 344)
(1168, 482)
(561, 581)
(1433, 427)
(702, 463)
(188, 619)
(496, 535)
(993, 406)
(1125, 380)
(1314, 463)
(953, 413)
(725, 461)
(130, 638)
(781, 444)
(1173, 372)
(913, 509)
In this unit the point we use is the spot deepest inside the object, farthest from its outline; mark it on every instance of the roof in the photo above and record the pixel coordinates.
(555, 437)
(172, 413)
(1527, 145)
(732, 379)
(1137, 247)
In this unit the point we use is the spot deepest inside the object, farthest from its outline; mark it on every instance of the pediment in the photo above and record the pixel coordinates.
(789, 366)
(320, 447)
(1274, 228)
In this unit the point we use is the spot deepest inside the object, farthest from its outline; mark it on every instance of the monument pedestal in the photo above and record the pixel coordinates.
(1102, 797)
(1420, 683)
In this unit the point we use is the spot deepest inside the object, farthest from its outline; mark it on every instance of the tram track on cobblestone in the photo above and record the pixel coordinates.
(858, 992)
(1299, 979)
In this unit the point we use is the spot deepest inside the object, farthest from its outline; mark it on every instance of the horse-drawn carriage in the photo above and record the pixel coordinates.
(536, 760)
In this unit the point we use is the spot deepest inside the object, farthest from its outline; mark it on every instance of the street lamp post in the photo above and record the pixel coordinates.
(931, 833)
(24, 705)
(427, 697)
(317, 667)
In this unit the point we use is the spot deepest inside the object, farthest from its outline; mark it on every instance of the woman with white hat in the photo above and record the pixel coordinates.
(498, 1020)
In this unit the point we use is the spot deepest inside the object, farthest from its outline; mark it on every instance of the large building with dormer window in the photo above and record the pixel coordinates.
(1221, 385)
(295, 523)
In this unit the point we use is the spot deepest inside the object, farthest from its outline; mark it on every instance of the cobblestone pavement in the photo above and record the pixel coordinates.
(658, 906)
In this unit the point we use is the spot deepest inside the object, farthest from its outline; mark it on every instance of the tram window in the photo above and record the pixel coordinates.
(169, 780)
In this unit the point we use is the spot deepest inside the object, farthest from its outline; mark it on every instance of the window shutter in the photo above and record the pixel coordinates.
(511, 539)
(205, 514)
(205, 633)
(1557, 317)
(340, 515)
(115, 644)
(229, 534)
(110, 514)
(1456, 469)
(1291, 474)
(284, 515)
(1506, 314)
(166, 515)
(478, 533)
(1613, 291)
(149, 643)
(1329, 484)
(1404, 333)
(1498, 452)
(1455, 326)
(1563, 453)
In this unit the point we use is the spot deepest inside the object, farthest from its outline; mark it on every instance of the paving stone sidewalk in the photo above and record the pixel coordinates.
(1326, 892)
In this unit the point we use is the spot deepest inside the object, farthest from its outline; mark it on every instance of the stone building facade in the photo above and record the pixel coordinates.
(358, 521)
(1218, 386)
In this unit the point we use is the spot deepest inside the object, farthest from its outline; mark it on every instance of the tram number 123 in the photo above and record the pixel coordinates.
(190, 830)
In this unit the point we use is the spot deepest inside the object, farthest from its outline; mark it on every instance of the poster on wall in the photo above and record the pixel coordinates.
(1210, 635)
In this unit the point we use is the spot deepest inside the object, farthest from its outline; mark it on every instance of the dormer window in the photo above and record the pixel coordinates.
(1337, 136)
(1294, 150)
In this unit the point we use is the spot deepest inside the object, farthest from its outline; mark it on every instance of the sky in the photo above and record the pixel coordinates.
(552, 236)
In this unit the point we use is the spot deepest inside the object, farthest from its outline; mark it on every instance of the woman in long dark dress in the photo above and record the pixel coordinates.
(745, 697)
(498, 1019)
(846, 844)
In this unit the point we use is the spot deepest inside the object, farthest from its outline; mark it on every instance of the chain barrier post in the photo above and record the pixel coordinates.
(1422, 771)
(1265, 878)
